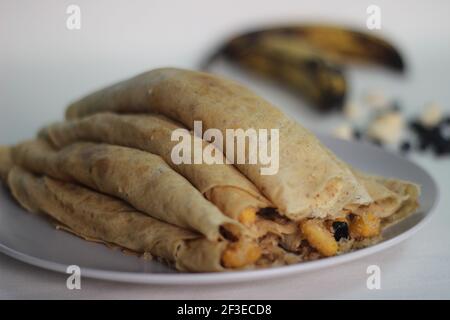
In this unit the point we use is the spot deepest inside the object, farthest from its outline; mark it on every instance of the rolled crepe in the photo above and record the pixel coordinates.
(99, 217)
(222, 184)
(140, 178)
(6, 162)
(385, 199)
(393, 199)
(309, 182)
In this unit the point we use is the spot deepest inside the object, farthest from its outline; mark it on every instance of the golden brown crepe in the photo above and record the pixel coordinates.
(309, 183)
(385, 200)
(321, 205)
(140, 178)
(222, 184)
(393, 199)
(98, 217)
(6, 162)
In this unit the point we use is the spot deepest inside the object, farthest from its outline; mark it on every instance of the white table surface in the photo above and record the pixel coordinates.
(43, 66)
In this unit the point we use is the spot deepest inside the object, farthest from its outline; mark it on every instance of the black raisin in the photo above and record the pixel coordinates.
(446, 120)
(405, 146)
(268, 213)
(441, 147)
(423, 145)
(357, 134)
(395, 106)
(340, 229)
(377, 142)
(444, 129)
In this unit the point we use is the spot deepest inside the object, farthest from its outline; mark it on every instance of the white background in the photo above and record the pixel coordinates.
(44, 66)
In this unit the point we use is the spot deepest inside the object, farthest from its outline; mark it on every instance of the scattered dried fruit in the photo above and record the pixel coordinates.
(431, 130)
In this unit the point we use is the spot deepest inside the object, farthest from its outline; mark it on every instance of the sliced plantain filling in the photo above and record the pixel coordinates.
(315, 236)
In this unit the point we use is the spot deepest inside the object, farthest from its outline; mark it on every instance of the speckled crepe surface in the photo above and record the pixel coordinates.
(142, 179)
(95, 216)
(232, 192)
(309, 181)
(388, 194)
(6, 162)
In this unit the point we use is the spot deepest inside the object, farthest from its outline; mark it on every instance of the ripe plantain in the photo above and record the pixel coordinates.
(348, 46)
(301, 68)
(310, 59)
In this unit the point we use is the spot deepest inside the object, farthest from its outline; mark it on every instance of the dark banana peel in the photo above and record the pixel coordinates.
(344, 45)
(310, 58)
(319, 81)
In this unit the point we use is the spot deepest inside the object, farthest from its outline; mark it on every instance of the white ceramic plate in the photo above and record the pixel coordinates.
(32, 239)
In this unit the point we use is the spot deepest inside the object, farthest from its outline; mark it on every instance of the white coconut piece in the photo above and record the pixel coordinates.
(376, 100)
(343, 131)
(352, 111)
(387, 127)
(432, 115)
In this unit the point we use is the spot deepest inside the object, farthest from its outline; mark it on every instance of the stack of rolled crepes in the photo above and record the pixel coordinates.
(106, 174)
